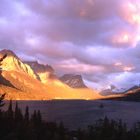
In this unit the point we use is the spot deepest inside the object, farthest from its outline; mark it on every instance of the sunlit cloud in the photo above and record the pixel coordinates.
(128, 39)
(83, 13)
(131, 12)
(128, 68)
(118, 64)
(124, 67)
(96, 38)
(74, 66)
(121, 38)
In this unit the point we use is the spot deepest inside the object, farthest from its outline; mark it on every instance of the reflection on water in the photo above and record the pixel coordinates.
(80, 113)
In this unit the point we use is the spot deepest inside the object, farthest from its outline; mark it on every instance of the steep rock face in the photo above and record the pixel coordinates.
(40, 67)
(13, 63)
(45, 72)
(74, 81)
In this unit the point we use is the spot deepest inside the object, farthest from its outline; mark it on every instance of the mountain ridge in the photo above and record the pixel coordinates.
(27, 86)
(13, 63)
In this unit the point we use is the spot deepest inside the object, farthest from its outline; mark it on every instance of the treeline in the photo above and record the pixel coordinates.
(15, 125)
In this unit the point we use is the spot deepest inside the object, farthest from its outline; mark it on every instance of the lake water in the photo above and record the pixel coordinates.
(80, 113)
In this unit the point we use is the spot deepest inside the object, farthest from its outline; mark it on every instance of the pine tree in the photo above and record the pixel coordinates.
(1, 104)
(26, 116)
(61, 128)
(10, 111)
(18, 114)
(39, 118)
(34, 117)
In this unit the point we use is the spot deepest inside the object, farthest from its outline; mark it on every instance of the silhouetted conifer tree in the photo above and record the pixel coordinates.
(18, 114)
(61, 131)
(1, 103)
(39, 118)
(10, 112)
(13, 128)
(79, 134)
(34, 117)
(26, 116)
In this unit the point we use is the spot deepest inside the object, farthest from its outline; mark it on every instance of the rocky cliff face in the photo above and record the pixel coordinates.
(40, 67)
(12, 63)
(18, 80)
(45, 72)
(74, 81)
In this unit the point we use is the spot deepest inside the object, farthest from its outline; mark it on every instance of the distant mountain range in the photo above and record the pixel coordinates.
(130, 94)
(112, 90)
(34, 81)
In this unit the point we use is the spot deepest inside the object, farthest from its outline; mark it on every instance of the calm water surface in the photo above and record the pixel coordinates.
(80, 113)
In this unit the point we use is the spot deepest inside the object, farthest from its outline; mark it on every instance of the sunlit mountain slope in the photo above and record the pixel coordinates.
(20, 82)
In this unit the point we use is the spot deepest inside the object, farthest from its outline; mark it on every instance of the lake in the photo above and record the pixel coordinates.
(80, 113)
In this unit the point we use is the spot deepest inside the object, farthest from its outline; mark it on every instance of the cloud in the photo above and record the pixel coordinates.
(96, 38)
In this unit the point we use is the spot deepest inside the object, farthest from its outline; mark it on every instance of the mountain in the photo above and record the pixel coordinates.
(17, 79)
(40, 67)
(34, 81)
(131, 94)
(112, 90)
(133, 89)
(44, 72)
(13, 63)
(47, 75)
(108, 91)
(73, 81)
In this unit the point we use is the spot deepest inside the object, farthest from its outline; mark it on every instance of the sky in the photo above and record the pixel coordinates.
(98, 39)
